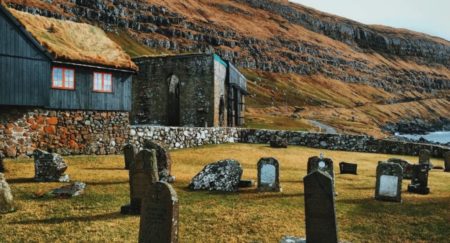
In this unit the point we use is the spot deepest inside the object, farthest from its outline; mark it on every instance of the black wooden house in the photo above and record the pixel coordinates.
(58, 64)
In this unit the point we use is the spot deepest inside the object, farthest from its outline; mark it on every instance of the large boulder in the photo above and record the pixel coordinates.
(406, 166)
(164, 160)
(49, 167)
(6, 198)
(223, 176)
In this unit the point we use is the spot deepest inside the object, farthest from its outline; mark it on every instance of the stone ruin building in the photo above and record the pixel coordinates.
(188, 90)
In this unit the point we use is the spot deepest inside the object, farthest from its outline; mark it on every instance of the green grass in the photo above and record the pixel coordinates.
(246, 216)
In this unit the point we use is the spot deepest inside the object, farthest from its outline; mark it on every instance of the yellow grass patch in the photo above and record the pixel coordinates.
(246, 216)
(77, 42)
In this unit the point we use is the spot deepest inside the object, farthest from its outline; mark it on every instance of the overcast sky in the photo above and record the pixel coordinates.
(427, 16)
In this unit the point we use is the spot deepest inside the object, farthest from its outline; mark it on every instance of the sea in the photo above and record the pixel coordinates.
(438, 137)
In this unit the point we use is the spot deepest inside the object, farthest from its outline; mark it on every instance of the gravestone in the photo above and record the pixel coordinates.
(49, 167)
(143, 173)
(424, 156)
(6, 198)
(389, 182)
(129, 153)
(320, 213)
(268, 175)
(419, 181)
(2, 166)
(447, 161)
(159, 215)
(164, 160)
(223, 176)
(278, 142)
(322, 164)
(348, 168)
(406, 166)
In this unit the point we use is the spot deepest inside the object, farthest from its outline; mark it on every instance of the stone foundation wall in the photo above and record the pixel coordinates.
(185, 137)
(66, 132)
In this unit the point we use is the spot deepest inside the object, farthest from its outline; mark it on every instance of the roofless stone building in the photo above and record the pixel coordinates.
(188, 90)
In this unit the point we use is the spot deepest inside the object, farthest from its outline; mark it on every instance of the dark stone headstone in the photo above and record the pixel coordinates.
(389, 182)
(447, 161)
(2, 166)
(164, 160)
(278, 142)
(419, 181)
(143, 173)
(49, 167)
(406, 166)
(268, 175)
(129, 153)
(348, 168)
(320, 213)
(322, 164)
(223, 176)
(246, 183)
(424, 156)
(159, 215)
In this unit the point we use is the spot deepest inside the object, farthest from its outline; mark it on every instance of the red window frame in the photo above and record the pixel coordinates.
(63, 78)
(102, 90)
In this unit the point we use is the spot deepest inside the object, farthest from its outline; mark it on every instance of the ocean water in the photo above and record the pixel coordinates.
(440, 137)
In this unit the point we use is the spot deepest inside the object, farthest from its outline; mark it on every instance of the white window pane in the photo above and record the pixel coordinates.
(97, 81)
(69, 78)
(57, 77)
(107, 82)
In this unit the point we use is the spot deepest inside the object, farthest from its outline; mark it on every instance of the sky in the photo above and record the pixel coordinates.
(427, 16)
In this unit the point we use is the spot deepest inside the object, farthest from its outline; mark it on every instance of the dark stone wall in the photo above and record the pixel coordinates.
(23, 129)
(196, 90)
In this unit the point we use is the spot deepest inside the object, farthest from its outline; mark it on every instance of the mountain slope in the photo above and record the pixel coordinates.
(271, 38)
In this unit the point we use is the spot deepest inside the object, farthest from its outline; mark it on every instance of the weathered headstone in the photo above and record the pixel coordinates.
(129, 153)
(424, 156)
(322, 164)
(73, 190)
(406, 166)
(246, 183)
(6, 198)
(419, 181)
(159, 215)
(278, 142)
(348, 168)
(49, 167)
(2, 166)
(164, 160)
(223, 176)
(268, 175)
(320, 213)
(143, 173)
(389, 182)
(447, 161)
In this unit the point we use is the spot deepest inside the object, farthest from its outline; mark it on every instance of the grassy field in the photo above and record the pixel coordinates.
(246, 216)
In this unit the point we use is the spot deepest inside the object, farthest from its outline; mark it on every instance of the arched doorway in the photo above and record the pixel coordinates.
(222, 112)
(173, 99)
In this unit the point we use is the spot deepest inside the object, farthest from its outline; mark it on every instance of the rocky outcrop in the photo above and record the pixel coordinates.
(158, 25)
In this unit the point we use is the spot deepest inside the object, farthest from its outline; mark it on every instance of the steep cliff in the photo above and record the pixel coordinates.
(277, 37)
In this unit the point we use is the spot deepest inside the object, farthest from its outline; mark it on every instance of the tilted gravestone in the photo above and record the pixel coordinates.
(159, 215)
(164, 160)
(389, 182)
(129, 153)
(419, 181)
(2, 166)
(143, 173)
(406, 166)
(320, 211)
(268, 175)
(49, 167)
(6, 198)
(322, 164)
(348, 168)
(447, 161)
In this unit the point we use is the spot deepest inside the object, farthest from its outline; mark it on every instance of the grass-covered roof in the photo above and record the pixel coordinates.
(76, 42)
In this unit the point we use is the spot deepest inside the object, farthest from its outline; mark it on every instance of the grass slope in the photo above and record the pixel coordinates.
(246, 216)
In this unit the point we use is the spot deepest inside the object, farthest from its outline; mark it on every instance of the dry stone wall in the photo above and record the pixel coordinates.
(65, 132)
